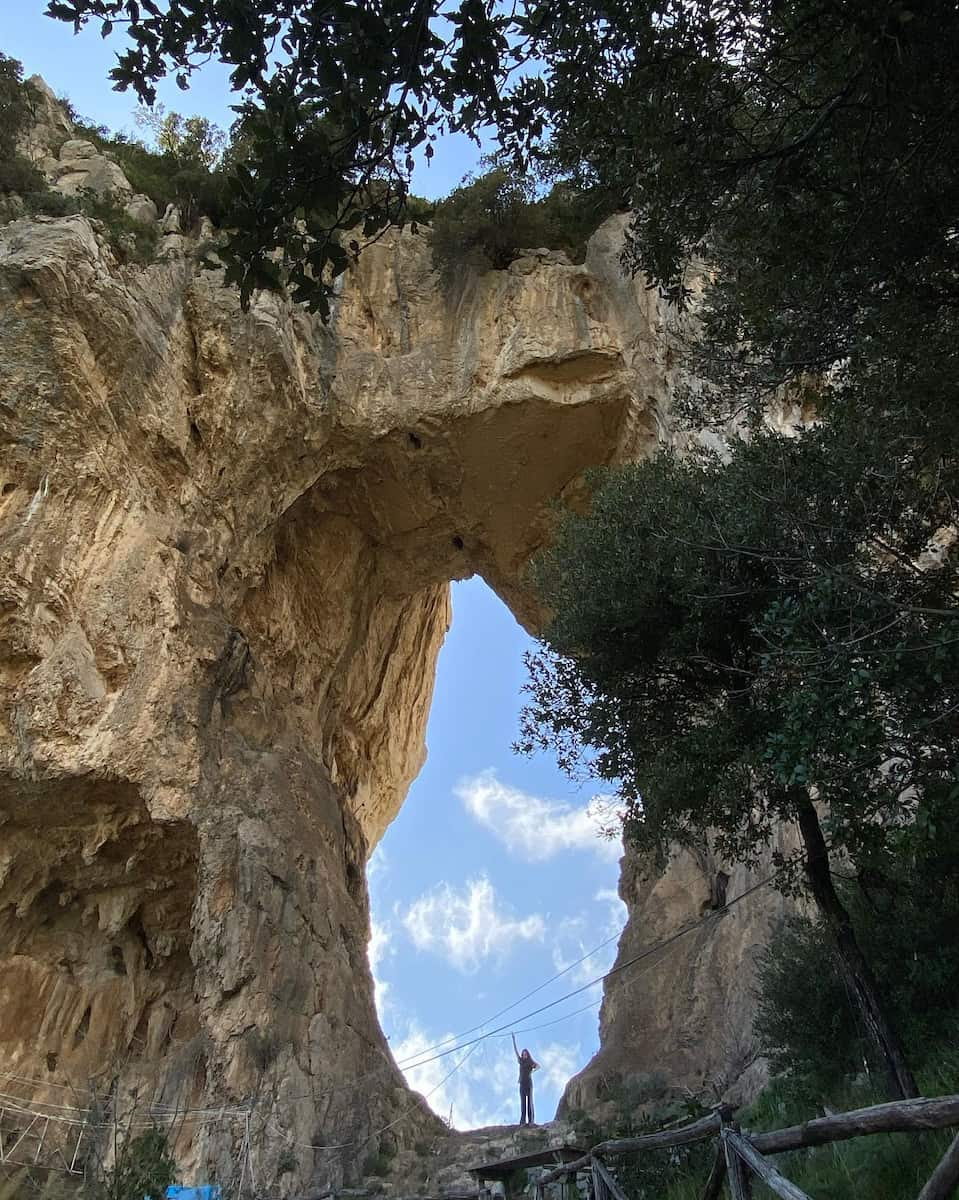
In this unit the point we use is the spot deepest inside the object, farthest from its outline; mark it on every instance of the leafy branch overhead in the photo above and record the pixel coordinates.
(335, 101)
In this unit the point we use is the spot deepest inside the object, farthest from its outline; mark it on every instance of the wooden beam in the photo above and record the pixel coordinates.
(663, 1140)
(740, 1186)
(717, 1176)
(765, 1170)
(599, 1192)
(900, 1116)
(612, 1187)
(945, 1178)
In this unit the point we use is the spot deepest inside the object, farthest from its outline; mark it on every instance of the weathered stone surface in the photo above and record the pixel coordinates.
(50, 126)
(81, 167)
(141, 208)
(682, 1016)
(225, 547)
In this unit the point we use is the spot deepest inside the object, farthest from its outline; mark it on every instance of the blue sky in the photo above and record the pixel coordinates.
(492, 877)
(78, 65)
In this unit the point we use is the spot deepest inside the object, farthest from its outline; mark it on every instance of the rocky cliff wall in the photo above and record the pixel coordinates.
(225, 547)
(680, 1018)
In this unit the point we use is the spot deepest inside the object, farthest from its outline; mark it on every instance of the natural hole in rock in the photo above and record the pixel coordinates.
(491, 880)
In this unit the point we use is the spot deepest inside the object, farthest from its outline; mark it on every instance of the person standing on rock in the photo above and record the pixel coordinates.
(527, 1065)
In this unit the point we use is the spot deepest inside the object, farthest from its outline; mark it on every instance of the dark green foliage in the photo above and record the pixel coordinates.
(287, 1162)
(14, 106)
(17, 174)
(881, 1166)
(178, 174)
(48, 203)
(377, 1164)
(336, 98)
(131, 241)
(487, 222)
(811, 150)
(651, 1175)
(143, 1169)
(726, 635)
(806, 150)
(905, 905)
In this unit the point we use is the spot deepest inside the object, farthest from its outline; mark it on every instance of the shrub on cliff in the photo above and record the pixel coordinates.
(183, 170)
(17, 174)
(489, 221)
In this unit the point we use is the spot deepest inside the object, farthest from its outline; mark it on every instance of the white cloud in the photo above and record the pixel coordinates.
(379, 949)
(468, 927)
(535, 828)
(576, 936)
(479, 1093)
(558, 1064)
(378, 863)
(483, 1091)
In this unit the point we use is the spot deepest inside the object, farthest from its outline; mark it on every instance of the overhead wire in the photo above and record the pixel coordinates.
(210, 1115)
(409, 1062)
(475, 1043)
(615, 970)
(515, 1004)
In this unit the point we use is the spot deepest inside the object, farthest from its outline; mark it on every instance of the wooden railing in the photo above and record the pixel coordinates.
(741, 1155)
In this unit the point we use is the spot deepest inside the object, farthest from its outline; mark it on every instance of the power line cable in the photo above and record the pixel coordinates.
(509, 1007)
(616, 970)
(411, 1064)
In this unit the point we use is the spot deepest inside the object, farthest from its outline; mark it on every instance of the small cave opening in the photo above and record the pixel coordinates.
(492, 881)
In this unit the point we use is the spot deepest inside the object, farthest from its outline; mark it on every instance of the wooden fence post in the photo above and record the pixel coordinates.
(717, 1176)
(748, 1154)
(942, 1182)
(599, 1190)
(611, 1189)
(740, 1185)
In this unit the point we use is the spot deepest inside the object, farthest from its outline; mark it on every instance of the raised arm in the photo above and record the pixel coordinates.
(515, 1050)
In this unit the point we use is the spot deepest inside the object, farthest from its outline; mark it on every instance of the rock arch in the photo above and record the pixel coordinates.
(226, 541)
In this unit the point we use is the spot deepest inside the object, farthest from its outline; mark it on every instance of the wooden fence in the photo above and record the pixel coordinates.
(740, 1155)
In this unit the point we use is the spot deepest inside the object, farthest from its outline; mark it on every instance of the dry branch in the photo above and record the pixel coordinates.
(717, 1176)
(663, 1140)
(900, 1116)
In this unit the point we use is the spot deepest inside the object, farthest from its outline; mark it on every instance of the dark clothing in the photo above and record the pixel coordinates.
(526, 1102)
(527, 1064)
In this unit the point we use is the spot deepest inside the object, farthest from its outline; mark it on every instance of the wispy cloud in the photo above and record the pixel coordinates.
(483, 1091)
(379, 949)
(535, 828)
(576, 936)
(468, 927)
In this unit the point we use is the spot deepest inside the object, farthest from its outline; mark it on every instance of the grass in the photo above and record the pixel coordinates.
(880, 1166)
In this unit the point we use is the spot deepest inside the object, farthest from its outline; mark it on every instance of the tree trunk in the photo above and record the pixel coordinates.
(852, 962)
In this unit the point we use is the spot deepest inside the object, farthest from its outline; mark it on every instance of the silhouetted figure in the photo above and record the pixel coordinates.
(527, 1065)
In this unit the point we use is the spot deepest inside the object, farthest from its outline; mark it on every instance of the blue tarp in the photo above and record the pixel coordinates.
(209, 1191)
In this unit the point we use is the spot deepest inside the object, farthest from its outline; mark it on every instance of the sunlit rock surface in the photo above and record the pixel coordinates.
(226, 541)
(677, 1011)
(225, 547)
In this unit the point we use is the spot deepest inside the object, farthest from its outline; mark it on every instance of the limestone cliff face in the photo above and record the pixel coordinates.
(225, 547)
(681, 1017)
